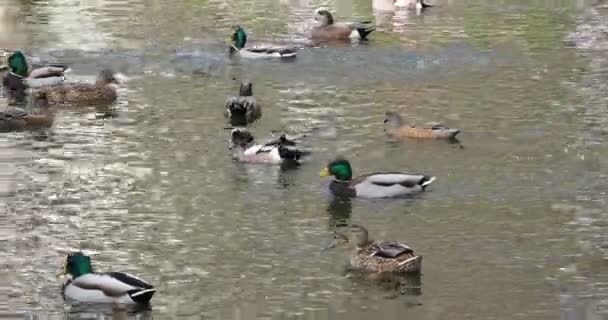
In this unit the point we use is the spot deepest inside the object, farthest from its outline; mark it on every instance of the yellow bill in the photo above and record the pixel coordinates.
(324, 173)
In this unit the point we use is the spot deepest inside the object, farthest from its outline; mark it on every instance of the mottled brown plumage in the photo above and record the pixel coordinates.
(380, 256)
(102, 92)
(394, 126)
(15, 119)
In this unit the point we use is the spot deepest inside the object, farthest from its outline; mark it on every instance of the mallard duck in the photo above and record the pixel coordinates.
(276, 151)
(372, 185)
(109, 287)
(379, 256)
(22, 77)
(244, 108)
(328, 30)
(393, 125)
(239, 39)
(390, 5)
(102, 92)
(16, 119)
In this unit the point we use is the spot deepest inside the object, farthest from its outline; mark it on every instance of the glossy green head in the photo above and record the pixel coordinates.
(78, 264)
(18, 64)
(339, 168)
(239, 38)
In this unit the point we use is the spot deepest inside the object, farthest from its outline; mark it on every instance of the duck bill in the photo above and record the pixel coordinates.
(324, 173)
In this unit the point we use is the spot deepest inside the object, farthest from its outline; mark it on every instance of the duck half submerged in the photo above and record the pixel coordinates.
(239, 39)
(379, 256)
(243, 109)
(373, 185)
(394, 126)
(328, 30)
(109, 287)
(276, 151)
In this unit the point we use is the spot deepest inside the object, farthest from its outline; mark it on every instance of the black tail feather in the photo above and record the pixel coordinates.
(365, 31)
(142, 296)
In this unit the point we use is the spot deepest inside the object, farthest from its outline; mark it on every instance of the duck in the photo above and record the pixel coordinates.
(328, 30)
(419, 5)
(239, 38)
(372, 185)
(103, 91)
(277, 151)
(394, 127)
(376, 256)
(244, 108)
(21, 76)
(17, 119)
(88, 286)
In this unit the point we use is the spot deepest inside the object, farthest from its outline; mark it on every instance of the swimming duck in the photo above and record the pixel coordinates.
(390, 5)
(276, 151)
(239, 38)
(244, 108)
(16, 119)
(393, 125)
(372, 185)
(328, 30)
(379, 256)
(22, 77)
(108, 287)
(102, 92)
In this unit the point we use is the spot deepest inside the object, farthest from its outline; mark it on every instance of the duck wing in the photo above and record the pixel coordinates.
(112, 284)
(390, 249)
(13, 113)
(387, 179)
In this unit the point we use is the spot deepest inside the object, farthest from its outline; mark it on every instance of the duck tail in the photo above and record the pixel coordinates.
(142, 296)
(452, 133)
(365, 31)
(426, 181)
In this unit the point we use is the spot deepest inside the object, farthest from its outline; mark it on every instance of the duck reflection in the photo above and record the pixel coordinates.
(394, 284)
(339, 209)
(115, 312)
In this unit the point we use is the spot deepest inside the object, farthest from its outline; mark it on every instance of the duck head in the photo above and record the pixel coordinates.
(392, 120)
(360, 235)
(339, 239)
(323, 17)
(105, 77)
(241, 138)
(18, 64)
(246, 89)
(78, 264)
(339, 168)
(239, 38)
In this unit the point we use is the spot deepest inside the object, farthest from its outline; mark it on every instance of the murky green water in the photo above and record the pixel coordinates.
(514, 228)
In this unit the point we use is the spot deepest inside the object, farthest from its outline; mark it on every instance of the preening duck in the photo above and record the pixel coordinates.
(379, 256)
(109, 287)
(327, 29)
(372, 185)
(276, 151)
(243, 109)
(239, 39)
(394, 126)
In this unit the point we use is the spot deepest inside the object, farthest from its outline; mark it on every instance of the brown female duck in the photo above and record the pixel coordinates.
(394, 126)
(102, 92)
(16, 119)
(379, 256)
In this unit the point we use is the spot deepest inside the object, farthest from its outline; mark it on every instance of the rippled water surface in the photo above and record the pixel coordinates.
(515, 227)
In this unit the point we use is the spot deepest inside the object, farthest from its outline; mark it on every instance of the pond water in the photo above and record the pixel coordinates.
(515, 227)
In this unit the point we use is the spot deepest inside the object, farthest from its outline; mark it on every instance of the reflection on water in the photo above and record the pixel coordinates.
(514, 227)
